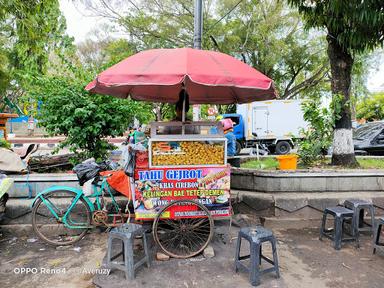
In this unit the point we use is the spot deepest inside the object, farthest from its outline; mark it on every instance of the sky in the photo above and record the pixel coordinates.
(79, 25)
(376, 79)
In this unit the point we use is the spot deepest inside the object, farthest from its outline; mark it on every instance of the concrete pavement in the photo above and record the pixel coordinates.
(304, 262)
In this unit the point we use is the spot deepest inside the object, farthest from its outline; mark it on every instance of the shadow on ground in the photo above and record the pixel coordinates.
(304, 262)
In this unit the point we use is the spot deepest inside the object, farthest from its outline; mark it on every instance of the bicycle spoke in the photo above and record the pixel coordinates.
(171, 223)
(47, 226)
(183, 237)
(167, 229)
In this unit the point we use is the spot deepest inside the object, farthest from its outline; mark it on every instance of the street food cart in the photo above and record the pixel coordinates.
(185, 185)
(182, 180)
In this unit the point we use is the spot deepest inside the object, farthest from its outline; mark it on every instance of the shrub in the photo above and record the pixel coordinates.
(86, 120)
(318, 137)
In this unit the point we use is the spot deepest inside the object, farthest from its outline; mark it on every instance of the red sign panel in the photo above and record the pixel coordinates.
(155, 188)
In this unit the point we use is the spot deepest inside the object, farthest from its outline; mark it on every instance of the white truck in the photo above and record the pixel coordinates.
(274, 124)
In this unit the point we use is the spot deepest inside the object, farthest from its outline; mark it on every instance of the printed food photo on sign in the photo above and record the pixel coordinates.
(157, 187)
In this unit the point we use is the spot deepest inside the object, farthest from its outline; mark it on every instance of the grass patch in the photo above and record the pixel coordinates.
(364, 163)
(263, 164)
(371, 163)
(271, 163)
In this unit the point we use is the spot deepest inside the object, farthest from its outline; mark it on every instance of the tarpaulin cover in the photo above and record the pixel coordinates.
(119, 182)
(10, 161)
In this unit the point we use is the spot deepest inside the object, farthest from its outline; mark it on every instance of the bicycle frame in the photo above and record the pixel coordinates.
(97, 193)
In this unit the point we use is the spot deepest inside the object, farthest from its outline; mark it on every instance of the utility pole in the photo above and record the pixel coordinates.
(197, 38)
(198, 24)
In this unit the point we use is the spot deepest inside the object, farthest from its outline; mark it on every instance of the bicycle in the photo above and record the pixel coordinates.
(62, 215)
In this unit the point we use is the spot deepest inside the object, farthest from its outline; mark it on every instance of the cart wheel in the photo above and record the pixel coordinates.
(183, 236)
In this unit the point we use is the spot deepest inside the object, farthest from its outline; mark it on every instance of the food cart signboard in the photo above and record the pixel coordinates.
(155, 188)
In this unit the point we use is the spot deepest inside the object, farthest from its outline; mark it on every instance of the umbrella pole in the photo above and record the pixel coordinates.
(183, 114)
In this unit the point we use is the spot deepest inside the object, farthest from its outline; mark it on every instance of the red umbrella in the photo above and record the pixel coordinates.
(159, 75)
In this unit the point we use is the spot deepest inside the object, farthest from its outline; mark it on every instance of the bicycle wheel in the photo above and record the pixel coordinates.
(52, 230)
(187, 233)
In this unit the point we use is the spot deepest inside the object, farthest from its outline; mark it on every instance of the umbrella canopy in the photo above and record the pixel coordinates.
(209, 77)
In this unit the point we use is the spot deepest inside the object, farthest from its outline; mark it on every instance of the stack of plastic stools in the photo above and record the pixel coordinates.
(256, 237)
(340, 214)
(358, 223)
(126, 234)
(376, 238)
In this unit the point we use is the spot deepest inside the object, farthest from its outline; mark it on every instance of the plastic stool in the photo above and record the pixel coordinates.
(336, 235)
(358, 207)
(127, 233)
(376, 242)
(256, 238)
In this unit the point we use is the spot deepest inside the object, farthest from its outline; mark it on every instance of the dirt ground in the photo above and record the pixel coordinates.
(304, 262)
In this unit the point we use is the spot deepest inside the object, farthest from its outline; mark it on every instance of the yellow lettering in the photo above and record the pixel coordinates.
(178, 193)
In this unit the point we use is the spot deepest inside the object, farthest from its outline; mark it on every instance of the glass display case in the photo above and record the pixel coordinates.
(206, 148)
(187, 152)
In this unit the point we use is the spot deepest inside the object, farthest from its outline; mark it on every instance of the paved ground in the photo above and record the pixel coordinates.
(304, 262)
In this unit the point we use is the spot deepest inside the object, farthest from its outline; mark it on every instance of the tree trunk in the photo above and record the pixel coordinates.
(157, 111)
(341, 68)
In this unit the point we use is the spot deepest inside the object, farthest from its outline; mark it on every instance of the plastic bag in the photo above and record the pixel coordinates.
(87, 187)
(129, 167)
(142, 160)
(5, 184)
(139, 137)
(89, 169)
(86, 171)
(115, 158)
(125, 155)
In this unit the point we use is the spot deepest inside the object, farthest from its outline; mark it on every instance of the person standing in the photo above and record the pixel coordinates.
(231, 139)
(179, 114)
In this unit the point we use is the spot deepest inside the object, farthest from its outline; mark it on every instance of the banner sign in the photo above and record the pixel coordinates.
(157, 187)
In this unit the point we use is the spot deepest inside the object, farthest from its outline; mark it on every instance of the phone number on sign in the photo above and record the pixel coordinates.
(199, 213)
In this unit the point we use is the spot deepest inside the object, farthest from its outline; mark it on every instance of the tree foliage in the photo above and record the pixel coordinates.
(356, 25)
(269, 36)
(86, 120)
(352, 27)
(318, 137)
(39, 62)
(371, 108)
(100, 54)
(29, 32)
(5, 144)
(265, 34)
